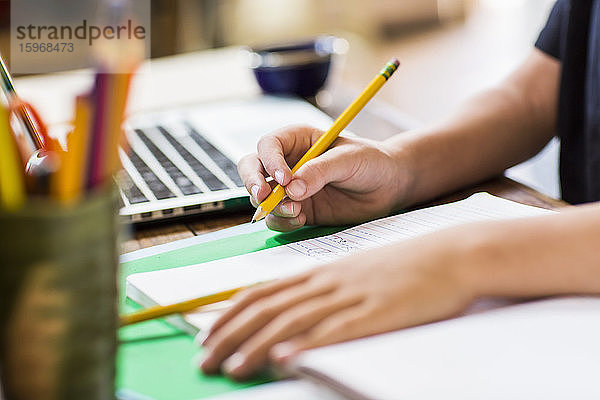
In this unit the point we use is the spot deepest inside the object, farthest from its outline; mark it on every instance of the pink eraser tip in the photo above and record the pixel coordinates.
(395, 62)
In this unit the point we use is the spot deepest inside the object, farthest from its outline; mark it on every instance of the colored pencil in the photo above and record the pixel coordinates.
(110, 98)
(119, 85)
(69, 182)
(329, 136)
(98, 138)
(12, 178)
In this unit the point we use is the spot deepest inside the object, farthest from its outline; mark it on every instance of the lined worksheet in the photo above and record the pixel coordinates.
(178, 284)
(479, 207)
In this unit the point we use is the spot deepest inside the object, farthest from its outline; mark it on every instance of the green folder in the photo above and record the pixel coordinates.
(156, 359)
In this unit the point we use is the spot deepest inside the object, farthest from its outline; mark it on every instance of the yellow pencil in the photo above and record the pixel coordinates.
(68, 184)
(185, 306)
(119, 89)
(12, 178)
(329, 137)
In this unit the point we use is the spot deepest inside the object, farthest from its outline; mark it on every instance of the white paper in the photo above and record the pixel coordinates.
(178, 284)
(541, 350)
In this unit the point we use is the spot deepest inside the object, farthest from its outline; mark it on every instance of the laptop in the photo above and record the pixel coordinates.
(184, 161)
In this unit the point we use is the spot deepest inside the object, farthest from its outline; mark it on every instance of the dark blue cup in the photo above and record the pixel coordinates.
(299, 68)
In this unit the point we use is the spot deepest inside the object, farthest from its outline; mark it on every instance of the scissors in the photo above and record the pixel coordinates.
(37, 148)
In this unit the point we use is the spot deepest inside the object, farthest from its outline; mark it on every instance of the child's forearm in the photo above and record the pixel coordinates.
(493, 131)
(550, 255)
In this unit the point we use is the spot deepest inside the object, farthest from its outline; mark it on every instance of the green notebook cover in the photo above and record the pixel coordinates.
(156, 359)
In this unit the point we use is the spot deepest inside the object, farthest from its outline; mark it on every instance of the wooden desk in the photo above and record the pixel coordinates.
(164, 233)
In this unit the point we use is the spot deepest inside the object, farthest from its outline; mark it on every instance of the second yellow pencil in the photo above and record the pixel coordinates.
(183, 307)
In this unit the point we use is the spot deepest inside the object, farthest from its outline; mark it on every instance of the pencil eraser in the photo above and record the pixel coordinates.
(395, 62)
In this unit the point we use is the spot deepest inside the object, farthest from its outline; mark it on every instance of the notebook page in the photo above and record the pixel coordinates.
(178, 284)
(479, 207)
(546, 349)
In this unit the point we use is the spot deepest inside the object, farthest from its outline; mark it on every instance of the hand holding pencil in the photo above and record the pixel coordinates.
(324, 187)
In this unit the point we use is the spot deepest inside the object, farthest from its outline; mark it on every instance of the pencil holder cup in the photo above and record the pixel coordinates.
(58, 300)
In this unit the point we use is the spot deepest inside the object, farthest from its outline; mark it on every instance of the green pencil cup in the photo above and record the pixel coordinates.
(58, 300)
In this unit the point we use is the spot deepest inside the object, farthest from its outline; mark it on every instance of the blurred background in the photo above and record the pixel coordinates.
(449, 49)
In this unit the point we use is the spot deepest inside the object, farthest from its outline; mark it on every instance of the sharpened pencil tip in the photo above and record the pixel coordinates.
(259, 214)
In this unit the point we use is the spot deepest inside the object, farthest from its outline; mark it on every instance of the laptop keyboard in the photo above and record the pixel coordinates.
(160, 190)
(183, 183)
(131, 191)
(151, 173)
(219, 158)
(208, 177)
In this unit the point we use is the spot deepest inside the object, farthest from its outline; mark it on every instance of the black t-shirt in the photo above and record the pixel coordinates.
(572, 35)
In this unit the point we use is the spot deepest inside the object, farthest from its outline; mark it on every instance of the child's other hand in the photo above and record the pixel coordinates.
(389, 288)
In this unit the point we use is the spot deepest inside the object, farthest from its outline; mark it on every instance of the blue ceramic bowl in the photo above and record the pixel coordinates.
(299, 68)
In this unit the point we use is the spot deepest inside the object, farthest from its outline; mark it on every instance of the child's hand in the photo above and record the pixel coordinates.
(389, 288)
(355, 180)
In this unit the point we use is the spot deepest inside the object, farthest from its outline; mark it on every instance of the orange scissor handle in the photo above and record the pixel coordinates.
(29, 114)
